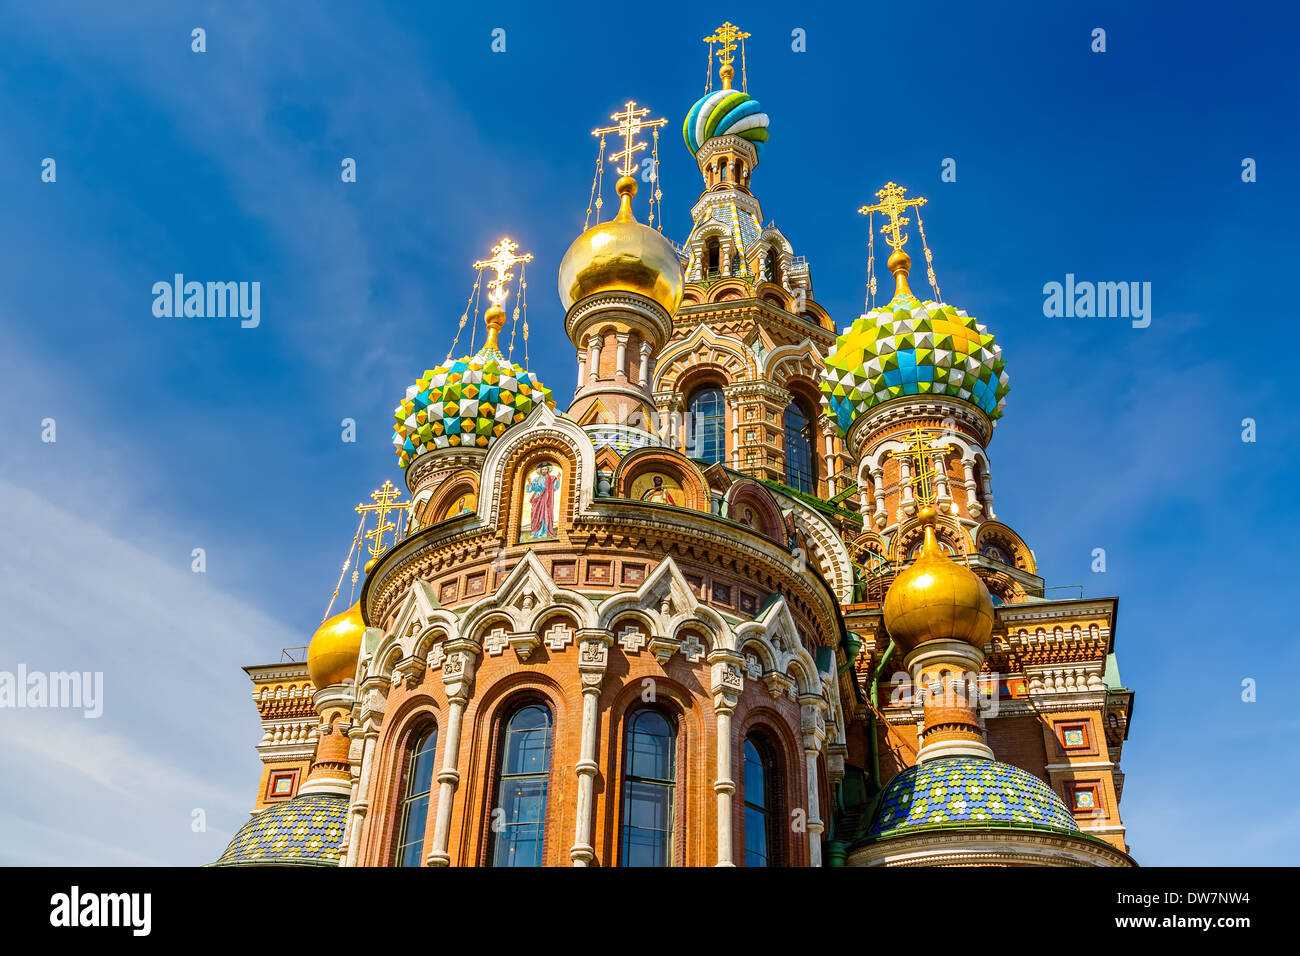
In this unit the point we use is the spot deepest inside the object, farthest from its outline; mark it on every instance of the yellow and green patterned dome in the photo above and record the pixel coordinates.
(304, 831)
(911, 347)
(466, 403)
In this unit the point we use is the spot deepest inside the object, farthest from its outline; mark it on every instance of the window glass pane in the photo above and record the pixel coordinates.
(519, 816)
(755, 776)
(416, 817)
(648, 790)
(415, 805)
(706, 425)
(798, 449)
(755, 837)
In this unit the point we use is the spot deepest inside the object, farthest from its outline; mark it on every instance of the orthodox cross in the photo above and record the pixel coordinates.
(920, 451)
(726, 35)
(384, 499)
(503, 257)
(893, 205)
(629, 124)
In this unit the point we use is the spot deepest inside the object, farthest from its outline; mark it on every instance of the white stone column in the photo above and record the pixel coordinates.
(904, 473)
(878, 479)
(973, 506)
(458, 679)
(582, 370)
(593, 360)
(940, 478)
(988, 493)
(361, 798)
(621, 365)
(643, 378)
(593, 658)
(814, 734)
(727, 684)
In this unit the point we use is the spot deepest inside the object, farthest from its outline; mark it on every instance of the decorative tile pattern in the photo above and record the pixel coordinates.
(470, 402)
(970, 791)
(306, 830)
(913, 348)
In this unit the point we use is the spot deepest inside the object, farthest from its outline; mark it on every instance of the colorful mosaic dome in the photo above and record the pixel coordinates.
(467, 403)
(725, 113)
(304, 831)
(967, 791)
(912, 348)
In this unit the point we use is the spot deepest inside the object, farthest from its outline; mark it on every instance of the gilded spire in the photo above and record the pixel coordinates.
(629, 122)
(894, 204)
(503, 258)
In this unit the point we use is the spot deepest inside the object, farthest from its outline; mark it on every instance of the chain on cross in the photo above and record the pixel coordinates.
(630, 123)
(893, 204)
(503, 258)
(385, 501)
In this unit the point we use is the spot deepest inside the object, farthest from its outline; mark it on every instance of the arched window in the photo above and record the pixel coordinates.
(722, 170)
(714, 252)
(649, 785)
(519, 815)
(706, 425)
(415, 806)
(771, 269)
(762, 841)
(799, 465)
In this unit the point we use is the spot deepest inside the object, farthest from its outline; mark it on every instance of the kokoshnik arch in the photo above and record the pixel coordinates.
(659, 628)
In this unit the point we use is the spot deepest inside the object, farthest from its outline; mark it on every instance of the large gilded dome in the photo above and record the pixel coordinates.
(332, 654)
(912, 348)
(936, 598)
(466, 403)
(622, 255)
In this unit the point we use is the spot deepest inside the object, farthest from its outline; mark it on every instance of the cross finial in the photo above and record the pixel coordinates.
(629, 124)
(726, 35)
(384, 499)
(893, 204)
(922, 452)
(503, 258)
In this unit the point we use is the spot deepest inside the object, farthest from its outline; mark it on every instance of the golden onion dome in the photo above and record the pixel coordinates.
(332, 654)
(622, 255)
(937, 599)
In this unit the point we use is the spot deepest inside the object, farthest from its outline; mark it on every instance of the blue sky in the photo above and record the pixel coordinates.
(182, 433)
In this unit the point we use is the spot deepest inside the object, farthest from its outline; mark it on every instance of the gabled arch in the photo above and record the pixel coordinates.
(525, 593)
(461, 486)
(703, 347)
(751, 504)
(669, 462)
(777, 634)
(996, 532)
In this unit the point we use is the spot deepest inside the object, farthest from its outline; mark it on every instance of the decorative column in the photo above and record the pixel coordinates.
(594, 345)
(643, 378)
(727, 683)
(878, 479)
(988, 493)
(814, 735)
(973, 506)
(940, 478)
(374, 697)
(593, 658)
(458, 681)
(582, 370)
(904, 473)
(828, 444)
(621, 365)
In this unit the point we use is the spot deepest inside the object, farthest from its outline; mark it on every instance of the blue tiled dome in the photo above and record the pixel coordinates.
(306, 831)
(967, 791)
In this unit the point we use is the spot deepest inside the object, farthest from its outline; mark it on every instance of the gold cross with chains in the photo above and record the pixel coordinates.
(629, 124)
(503, 257)
(384, 499)
(893, 205)
(920, 451)
(726, 35)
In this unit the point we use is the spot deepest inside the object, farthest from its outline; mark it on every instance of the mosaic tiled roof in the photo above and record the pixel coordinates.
(307, 830)
(622, 440)
(744, 229)
(469, 402)
(725, 113)
(913, 348)
(967, 791)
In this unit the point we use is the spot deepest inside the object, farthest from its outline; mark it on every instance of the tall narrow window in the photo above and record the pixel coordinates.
(771, 266)
(761, 839)
(415, 806)
(706, 425)
(518, 817)
(649, 784)
(714, 254)
(799, 472)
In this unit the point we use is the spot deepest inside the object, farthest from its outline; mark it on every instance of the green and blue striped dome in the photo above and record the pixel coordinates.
(725, 113)
(912, 348)
(967, 791)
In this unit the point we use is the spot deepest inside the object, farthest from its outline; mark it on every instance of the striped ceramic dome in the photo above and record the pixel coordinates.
(725, 113)
(967, 791)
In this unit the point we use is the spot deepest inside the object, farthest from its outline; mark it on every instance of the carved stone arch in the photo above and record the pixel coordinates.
(730, 287)
(717, 632)
(775, 294)
(799, 362)
(570, 605)
(749, 640)
(441, 628)
(460, 486)
(750, 503)
(668, 461)
(542, 434)
(826, 549)
(995, 532)
(802, 669)
(700, 349)
(948, 531)
(526, 590)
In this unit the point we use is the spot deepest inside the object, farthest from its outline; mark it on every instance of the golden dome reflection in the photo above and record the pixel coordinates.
(332, 654)
(622, 255)
(937, 598)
